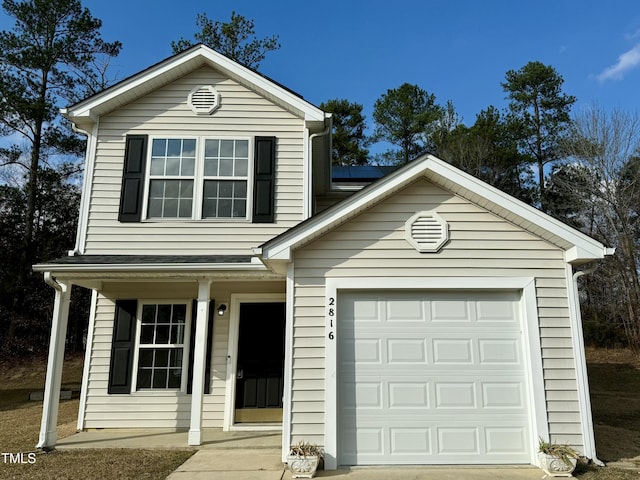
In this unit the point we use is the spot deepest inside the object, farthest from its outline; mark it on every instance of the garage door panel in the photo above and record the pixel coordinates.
(436, 378)
(452, 351)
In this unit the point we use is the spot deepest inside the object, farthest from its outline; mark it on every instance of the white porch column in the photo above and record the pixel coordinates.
(199, 359)
(48, 432)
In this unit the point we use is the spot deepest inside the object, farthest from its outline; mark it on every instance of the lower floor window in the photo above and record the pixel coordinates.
(161, 346)
(160, 368)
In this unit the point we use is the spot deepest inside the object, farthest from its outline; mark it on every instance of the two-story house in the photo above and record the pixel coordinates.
(426, 318)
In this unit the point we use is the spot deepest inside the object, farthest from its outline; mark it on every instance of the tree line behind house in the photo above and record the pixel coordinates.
(582, 168)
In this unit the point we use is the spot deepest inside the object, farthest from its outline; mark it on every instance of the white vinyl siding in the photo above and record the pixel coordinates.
(166, 114)
(481, 244)
(157, 408)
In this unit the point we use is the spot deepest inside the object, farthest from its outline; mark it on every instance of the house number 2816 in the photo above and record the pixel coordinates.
(331, 313)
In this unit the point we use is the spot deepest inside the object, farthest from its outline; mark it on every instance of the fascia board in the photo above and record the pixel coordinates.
(207, 55)
(84, 109)
(585, 247)
(311, 113)
(145, 267)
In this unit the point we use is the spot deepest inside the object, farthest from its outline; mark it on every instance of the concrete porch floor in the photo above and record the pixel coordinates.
(166, 438)
(255, 455)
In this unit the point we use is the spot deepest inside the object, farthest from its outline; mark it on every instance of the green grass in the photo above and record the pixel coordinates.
(20, 426)
(614, 379)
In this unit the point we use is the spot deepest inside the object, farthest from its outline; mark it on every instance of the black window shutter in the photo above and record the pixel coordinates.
(192, 344)
(264, 180)
(135, 156)
(122, 346)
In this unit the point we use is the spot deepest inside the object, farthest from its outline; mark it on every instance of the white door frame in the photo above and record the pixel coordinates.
(232, 354)
(532, 357)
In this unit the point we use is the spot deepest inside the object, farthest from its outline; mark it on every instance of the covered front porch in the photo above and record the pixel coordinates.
(206, 378)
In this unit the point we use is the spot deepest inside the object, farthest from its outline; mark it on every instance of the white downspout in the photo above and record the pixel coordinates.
(582, 379)
(60, 317)
(308, 204)
(87, 182)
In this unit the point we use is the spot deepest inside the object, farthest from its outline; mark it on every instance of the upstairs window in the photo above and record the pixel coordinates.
(226, 172)
(198, 178)
(191, 181)
(171, 178)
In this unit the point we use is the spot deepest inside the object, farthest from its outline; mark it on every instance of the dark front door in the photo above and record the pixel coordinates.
(260, 369)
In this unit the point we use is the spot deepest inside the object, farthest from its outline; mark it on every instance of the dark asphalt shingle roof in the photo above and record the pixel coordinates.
(148, 259)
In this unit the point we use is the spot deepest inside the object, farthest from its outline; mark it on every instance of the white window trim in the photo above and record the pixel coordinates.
(185, 344)
(199, 178)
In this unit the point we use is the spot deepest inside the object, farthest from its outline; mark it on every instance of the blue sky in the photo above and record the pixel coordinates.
(457, 50)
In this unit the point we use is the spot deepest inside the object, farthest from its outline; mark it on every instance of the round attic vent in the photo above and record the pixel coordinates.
(204, 100)
(427, 231)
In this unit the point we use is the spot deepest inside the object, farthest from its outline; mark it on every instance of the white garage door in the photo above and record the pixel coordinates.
(431, 377)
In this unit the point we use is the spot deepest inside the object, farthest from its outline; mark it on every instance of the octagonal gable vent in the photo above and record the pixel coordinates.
(427, 231)
(204, 100)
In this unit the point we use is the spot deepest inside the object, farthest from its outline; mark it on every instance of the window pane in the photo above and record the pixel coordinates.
(185, 208)
(159, 147)
(175, 378)
(146, 358)
(240, 208)
(159, 379)
(157, 166)
(170, 209)
(144, 378)
(226, 167)
(242, 148)
(146, 334)
(186, 189)
(162, 334)
(174, 147)
(211, 148)
(156, 189)
(177, 334)
(211, 167)
(173, 166)
(179, 313)
(224, 208)
(155, 208)
(209, 207)
(164, 313)
(162, 358)
(171, 188)
(226, 190)
(148, 314)
(176, 358)
(240, 189)
(241, 167)
(226, 148)
(189, 148)
(211, 189)
(188, 166)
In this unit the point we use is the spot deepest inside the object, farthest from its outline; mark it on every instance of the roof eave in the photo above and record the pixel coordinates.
(145, 267)
(583, 248)
(87, 111)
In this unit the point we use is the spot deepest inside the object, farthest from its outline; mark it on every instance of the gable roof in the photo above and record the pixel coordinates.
(86, 112)
(579, 248)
